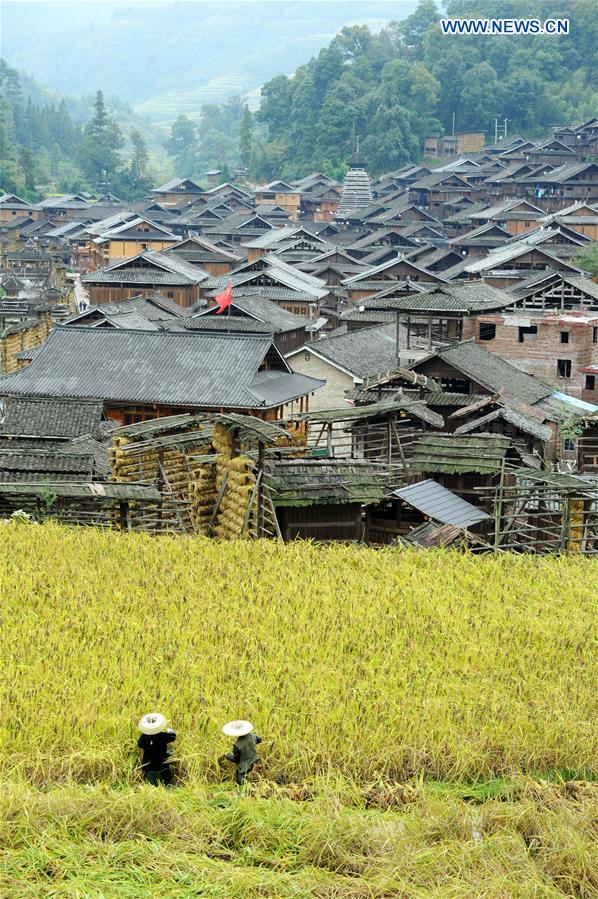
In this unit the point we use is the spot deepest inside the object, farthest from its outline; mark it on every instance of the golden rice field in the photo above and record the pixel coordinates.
(429, 719)
(374, 664)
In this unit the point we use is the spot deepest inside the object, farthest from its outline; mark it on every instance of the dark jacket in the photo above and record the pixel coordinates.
(155, 748)
(244, 753)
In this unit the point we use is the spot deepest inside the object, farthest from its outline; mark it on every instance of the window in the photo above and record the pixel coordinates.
(563, 368)
(527, 334)
(564, 337)
(487, 331)
(590, 382)
(568, 445)
(170, 294)
(595, 335)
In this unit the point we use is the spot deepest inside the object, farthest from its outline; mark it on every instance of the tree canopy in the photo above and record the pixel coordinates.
(392, 88)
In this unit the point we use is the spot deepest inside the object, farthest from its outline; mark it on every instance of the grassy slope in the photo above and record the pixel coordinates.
(79, 841)
(361, 668)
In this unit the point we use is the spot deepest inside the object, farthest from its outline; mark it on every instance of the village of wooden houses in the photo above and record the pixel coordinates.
(409, 359)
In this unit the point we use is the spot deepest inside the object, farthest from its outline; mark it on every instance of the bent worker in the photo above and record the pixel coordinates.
(154, 740)
(244, 753)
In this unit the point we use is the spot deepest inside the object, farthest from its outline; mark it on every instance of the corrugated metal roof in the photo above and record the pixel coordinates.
(435, 501)
(165, 367)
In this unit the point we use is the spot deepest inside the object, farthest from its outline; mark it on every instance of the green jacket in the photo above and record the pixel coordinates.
(244, 753)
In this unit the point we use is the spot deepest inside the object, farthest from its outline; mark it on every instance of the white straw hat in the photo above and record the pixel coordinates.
(237, 728)
(152, 723)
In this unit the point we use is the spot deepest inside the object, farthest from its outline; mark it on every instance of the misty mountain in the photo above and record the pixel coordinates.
(171, 57)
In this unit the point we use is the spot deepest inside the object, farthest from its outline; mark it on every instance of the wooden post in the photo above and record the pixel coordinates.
(499, 504)
(123, 508)
(400, 445)
(261, 454)
(565, 528)
(398, 347)
(329, 439)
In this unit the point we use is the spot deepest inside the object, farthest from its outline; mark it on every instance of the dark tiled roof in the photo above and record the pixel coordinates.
(36, 465)
(137, 276)
(258, 306)
(363, 353)
(466, 298)
(165, 367)
(27, 416)
(235, 324)
(492, 372)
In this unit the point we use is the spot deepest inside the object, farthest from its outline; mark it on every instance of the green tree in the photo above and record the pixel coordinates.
(481, 97)
(102, 139)
(245, 136)
(27, 166)
(588, 259)
(182, 146)
(414, 27)
(8, 147)
(275, 105)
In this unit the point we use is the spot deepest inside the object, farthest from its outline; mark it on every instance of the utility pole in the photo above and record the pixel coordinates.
(453, 124)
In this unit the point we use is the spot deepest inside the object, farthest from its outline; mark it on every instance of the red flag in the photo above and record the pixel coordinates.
(225, 298)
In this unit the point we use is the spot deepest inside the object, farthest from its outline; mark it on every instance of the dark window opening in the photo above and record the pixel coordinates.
(170, 294)
(529, 333)
(456, 385)
(487, 331)
(568, 445)
(595, 335)
(564, 337)
(590, 382)
(564, 368)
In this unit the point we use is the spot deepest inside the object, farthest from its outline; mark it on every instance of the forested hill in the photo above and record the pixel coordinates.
(390, 89)
(49, 144)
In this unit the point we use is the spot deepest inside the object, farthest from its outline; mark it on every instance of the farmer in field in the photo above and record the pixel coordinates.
(244, 754)
(154, 740)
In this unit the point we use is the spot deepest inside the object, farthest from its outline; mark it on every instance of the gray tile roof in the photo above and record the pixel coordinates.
(36, 465)
(138, 276)
(493, 373)
(362, 353)
(441, 504)
(262, 309)
(28, 416)
(467, 297)
(523, 422)
(164, 367)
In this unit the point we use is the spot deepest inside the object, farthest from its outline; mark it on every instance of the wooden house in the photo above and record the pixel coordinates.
(380, 277)
(323, 499)
(147, 273)
(281, 194)
(176, 191)
(133, 237)
(140, 374)
(461, 463)
(252, 311)
(426, 503)
(13, 207)
(205, 255)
